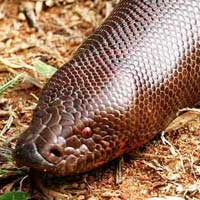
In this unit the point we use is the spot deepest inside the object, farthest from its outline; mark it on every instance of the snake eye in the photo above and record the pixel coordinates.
(86, 132)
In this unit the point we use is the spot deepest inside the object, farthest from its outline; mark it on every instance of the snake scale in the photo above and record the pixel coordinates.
(123, 85)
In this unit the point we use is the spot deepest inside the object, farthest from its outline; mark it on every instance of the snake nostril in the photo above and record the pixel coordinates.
(56, 152)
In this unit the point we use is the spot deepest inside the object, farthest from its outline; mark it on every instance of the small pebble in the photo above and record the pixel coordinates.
(82, 186)
(81, 197)
(21, 16)
(49, 3)
(75, 185)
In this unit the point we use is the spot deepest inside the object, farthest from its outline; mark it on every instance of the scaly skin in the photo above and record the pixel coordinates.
(124, 84)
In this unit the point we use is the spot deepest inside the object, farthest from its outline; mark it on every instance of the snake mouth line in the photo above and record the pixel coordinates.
(28, 154)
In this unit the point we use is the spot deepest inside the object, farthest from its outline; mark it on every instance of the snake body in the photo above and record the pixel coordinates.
(124, 84)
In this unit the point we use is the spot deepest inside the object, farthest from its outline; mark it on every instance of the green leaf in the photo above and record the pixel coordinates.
(7, 171)
(45, 70)
(15, 196)
(10, 83)
(3, 171)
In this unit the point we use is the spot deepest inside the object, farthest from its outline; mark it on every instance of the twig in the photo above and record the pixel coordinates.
(173, 150)
(118, 170)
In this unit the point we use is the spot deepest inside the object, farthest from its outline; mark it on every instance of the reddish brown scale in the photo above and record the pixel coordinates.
(124, 84)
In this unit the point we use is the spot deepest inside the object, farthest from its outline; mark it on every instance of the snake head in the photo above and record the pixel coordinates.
(57, 142)
(73, 129)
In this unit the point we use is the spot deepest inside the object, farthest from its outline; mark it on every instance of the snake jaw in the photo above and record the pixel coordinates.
(27, 154)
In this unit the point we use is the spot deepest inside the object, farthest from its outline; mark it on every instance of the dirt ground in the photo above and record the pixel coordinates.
(166, 168)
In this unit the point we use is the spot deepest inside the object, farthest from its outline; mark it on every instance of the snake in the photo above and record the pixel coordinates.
(123, 85)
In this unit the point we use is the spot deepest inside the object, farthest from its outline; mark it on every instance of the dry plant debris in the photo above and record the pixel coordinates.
(50, 31)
